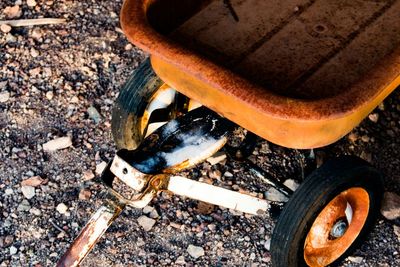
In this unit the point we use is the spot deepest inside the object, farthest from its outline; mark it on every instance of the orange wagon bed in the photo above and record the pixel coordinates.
(299, 73)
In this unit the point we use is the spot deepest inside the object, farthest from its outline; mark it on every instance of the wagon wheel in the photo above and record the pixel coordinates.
(328, 215)
(144, 104)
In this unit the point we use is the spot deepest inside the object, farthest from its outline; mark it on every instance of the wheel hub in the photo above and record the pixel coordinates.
(339, 228)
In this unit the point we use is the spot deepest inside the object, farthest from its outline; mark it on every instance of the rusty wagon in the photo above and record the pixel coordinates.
(298, 73)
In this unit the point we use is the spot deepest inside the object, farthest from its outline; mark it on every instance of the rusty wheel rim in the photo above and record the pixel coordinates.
(336, 227)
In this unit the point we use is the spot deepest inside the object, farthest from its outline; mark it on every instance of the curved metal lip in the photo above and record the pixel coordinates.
(138, 31)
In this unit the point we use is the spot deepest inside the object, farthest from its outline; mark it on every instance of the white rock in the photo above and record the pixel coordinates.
(355, 259)
(100, 167)
(180, 260)
(62, 208)
(390, 208)
(195, 251)
(74, 100)
(37, 34)
(292, 184)
(267, 244)
(5, 28)
(228, 174)
(4, 97)
(57, 144)
(94, 114)
(31, 3)
(8, 191)
(147, 209)
(28, 191)
(374, 117)
(151, 212)
(274, 195)
(24, 206)
(35, 211)
(154, 214)
(13, 250)
(34, 52)
(146, 222)
(49, 95)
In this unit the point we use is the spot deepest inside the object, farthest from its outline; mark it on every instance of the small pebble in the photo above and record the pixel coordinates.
(12, 11)
(4, 97)
(128, 47)
(5, 28)
(180, 260)
(34, 53)
(353, 137)
(31, 3)
(88, 175)
(33, 181)
(57, 144)
(24, 206)
(274, 195)
(100, 167)
(85, 194)
(195, 251)
(355, 259)
(13, 250)
(28, 191)
(146, 223)
(49, 95)
(365, 138)
(267, 244)
(228, 174)
(8, 240)
(62, 208)
(292, 184)
(35, 211)
(374, 117)
(8, 191)
(94, 114)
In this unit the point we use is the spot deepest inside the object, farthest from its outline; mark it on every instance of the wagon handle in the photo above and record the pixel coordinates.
(91, 233)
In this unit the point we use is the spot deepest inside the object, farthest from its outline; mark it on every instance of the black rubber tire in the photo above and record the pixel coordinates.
(131, 104)
(312, 196)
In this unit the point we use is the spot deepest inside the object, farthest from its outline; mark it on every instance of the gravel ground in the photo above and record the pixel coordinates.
(52, 80)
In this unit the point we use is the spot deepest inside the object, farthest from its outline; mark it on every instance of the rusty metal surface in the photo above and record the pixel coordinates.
(90, 234)
(320, 247)
(292, 121)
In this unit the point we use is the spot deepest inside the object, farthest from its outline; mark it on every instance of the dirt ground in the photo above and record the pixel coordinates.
(51, 76)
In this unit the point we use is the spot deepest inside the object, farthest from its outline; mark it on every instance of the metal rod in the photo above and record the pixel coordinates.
(217, 196)
(263, 176)
(91, 233)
